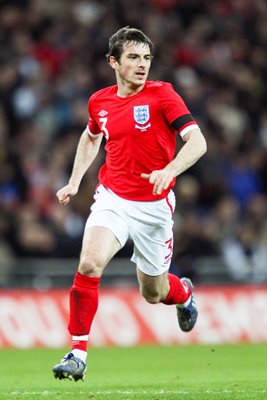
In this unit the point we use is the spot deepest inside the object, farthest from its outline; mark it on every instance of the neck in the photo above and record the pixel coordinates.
(126, 89)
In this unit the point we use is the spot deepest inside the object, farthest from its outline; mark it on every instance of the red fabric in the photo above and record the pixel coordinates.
(79, 344)
(177, 293)
(139, 136)
(83, 304)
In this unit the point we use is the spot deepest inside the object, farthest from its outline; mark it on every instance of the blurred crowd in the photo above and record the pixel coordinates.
(52, 58)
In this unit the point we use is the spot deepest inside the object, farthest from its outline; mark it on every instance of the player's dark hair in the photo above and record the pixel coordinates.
(123, 36)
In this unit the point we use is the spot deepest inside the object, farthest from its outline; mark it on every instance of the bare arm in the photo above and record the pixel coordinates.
(86, 152)
(194, 148)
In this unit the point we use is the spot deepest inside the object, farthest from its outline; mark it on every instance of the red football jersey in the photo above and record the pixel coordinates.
(139, 135)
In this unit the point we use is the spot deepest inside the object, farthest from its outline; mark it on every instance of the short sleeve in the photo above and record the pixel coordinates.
(92, 125)
(174, 109)
(172, 105)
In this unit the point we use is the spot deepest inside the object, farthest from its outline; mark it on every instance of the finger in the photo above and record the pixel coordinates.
(154, 179)
(62, 197)
(167, 184)
(157, 189)
(65, 201)
(161, 184)
(145, 176)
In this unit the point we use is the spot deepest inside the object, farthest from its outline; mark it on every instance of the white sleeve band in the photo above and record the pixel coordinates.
(92, 135)
(188, 129)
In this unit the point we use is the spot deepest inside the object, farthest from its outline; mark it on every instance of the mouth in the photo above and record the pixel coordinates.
(140, 74)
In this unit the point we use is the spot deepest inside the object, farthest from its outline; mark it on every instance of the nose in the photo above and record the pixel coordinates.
(141, 62)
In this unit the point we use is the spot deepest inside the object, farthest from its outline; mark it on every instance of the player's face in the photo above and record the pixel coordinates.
(134, 64)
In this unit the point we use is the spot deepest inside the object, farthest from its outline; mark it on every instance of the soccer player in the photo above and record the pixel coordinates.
(140, 120)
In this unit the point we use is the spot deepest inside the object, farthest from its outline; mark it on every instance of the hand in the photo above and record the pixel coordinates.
(161, 179)
(65, 193)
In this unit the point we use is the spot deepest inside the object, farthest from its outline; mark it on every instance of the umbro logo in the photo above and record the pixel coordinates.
(102, 113)
(186, 288)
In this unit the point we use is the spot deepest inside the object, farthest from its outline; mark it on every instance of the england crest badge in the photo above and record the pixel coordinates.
(141, 117)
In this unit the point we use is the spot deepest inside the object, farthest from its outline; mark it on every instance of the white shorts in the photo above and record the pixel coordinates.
(148, 223)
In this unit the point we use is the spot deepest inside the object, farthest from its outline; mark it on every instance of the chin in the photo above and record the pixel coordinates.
(140, 82)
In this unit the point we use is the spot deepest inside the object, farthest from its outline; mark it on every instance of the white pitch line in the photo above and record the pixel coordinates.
(142, 392)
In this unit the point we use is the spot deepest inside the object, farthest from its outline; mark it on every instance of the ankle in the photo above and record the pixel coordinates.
(81, 354)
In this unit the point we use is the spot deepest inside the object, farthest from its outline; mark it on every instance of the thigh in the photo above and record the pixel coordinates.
(152, 233)
(98, 247)
(108, 212)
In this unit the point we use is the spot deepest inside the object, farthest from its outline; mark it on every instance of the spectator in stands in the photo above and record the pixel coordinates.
(245, 254)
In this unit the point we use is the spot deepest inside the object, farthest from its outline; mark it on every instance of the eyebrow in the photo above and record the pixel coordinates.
(136, 54)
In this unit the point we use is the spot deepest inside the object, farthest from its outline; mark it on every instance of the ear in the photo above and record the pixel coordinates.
(113, 63)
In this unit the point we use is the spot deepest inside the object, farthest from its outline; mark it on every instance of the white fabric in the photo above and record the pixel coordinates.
(94, 136)
(82, 355)
(149, 224)
(188, 129)
(82, 337)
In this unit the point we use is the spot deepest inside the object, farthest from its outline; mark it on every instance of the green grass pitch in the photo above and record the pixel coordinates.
(141, 373)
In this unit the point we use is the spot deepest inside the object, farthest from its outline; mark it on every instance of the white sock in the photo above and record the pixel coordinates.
(79, 354)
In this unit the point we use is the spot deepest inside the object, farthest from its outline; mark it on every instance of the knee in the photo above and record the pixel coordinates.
(152, 296)
(91, 265)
